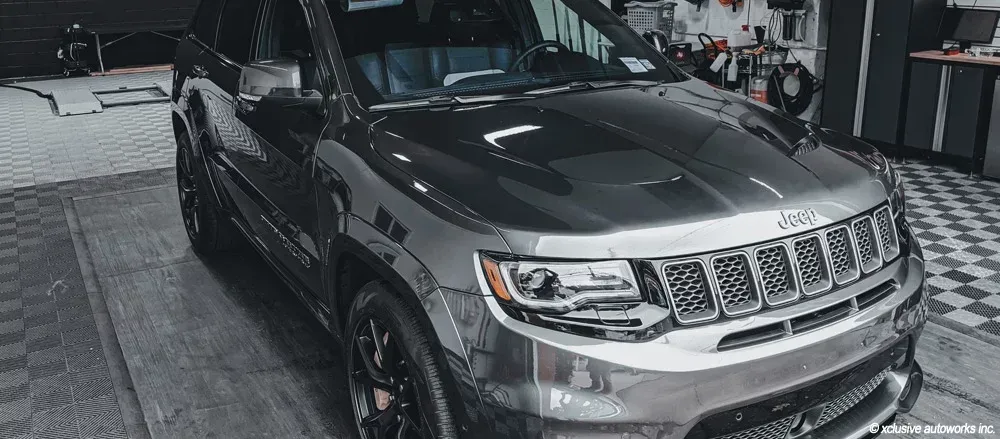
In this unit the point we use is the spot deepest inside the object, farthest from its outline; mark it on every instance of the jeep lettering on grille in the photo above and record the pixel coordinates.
(797, 218)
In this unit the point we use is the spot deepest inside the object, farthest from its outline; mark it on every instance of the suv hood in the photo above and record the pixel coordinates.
(633, 172)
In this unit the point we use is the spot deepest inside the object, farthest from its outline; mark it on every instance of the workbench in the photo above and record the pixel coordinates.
(963, 109)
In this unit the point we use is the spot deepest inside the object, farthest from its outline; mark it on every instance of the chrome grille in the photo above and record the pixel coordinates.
(776, 276)
(864, 242)
(813, 265)
(735, 280)
(869, 254)
(887, 233)
(700, 288)
(774, 430)
(842, 255)
(688, 289)
(841, 405)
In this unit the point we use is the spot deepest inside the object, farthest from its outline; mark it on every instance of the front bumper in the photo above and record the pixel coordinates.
(535, 382)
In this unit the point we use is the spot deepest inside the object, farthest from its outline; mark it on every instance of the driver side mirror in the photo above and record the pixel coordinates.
(277, 81)
(658, 39)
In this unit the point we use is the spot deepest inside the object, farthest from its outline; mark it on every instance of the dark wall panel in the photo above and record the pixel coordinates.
(963, 111)
(30, 31)
(843, 64)
(921, 113)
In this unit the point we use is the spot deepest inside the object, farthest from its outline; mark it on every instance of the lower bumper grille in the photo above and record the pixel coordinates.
(814, 410)
(849, 400)
(775, 430)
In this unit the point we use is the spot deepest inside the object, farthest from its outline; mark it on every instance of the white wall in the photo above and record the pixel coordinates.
(719, 21)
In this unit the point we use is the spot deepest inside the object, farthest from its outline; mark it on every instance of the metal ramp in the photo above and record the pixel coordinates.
(85, 101)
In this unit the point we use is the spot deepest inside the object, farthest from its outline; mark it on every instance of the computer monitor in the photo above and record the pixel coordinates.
(969, 26)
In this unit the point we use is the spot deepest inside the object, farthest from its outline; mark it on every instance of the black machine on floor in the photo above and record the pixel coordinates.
(71, 52)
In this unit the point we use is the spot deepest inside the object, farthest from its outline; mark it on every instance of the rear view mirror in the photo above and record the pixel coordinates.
(360, 5)
(658, 39)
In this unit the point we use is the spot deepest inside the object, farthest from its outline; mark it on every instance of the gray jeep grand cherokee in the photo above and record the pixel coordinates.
(520, 220)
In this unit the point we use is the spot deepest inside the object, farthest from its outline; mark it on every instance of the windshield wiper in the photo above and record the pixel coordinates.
(591, 85)
(446, 101)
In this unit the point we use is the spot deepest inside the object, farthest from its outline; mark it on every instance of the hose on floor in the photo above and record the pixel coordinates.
(29, 90)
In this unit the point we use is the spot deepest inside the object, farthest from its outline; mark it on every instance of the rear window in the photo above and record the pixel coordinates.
(236, 29)
(206, 21)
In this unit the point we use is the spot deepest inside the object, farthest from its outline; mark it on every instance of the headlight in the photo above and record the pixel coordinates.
(897, 197)
(897, 200)
(558, 287)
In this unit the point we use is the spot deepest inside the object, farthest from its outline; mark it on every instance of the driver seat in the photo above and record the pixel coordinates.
(465, 44)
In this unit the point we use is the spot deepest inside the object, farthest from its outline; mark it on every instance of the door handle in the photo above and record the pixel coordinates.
(199, 71)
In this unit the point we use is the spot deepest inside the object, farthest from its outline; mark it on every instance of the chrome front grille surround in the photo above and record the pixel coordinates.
(736, 283)
(814, 265)
(779, 281)
(744, 281)
(887, 232)
(843, 254)
(869, 254)
(689, 289)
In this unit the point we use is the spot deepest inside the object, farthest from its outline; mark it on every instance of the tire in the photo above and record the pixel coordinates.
(208, 227)
(377, 309)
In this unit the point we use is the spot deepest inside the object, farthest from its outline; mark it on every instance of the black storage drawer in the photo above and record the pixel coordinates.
(921, 110)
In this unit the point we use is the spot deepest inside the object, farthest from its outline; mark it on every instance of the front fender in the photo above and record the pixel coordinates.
(412, 280)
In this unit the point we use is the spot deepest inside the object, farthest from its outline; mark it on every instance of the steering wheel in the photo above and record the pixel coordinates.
(534, 48)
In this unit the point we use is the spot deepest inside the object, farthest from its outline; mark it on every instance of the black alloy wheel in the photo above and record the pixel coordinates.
(208, 228)
(187, 189)
(386, 394)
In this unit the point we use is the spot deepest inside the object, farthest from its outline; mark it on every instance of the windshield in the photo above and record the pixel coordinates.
(427, 48)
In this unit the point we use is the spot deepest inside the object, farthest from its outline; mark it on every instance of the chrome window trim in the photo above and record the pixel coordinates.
(755, 286)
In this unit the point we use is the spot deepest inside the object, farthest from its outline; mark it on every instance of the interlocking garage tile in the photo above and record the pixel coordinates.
(51, 383)
(54, 419)
(12, 350)
(93, 389)
(85, 360)
(15, 428)
(83, 376)
(44, 342)
(20, 409)
(45, 356)
(13, 393)
(47, 369)
(64, 431)
(51, 400)
(79, 335)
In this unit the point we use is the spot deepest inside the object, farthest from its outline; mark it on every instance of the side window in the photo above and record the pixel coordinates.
(286, 35)
(206, 21)
(236, 28)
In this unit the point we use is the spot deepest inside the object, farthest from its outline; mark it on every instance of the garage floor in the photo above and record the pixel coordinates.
(111, 327)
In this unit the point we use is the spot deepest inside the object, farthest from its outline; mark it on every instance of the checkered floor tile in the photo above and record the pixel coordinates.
(39, 147)
(957, 219)
(54, 379)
